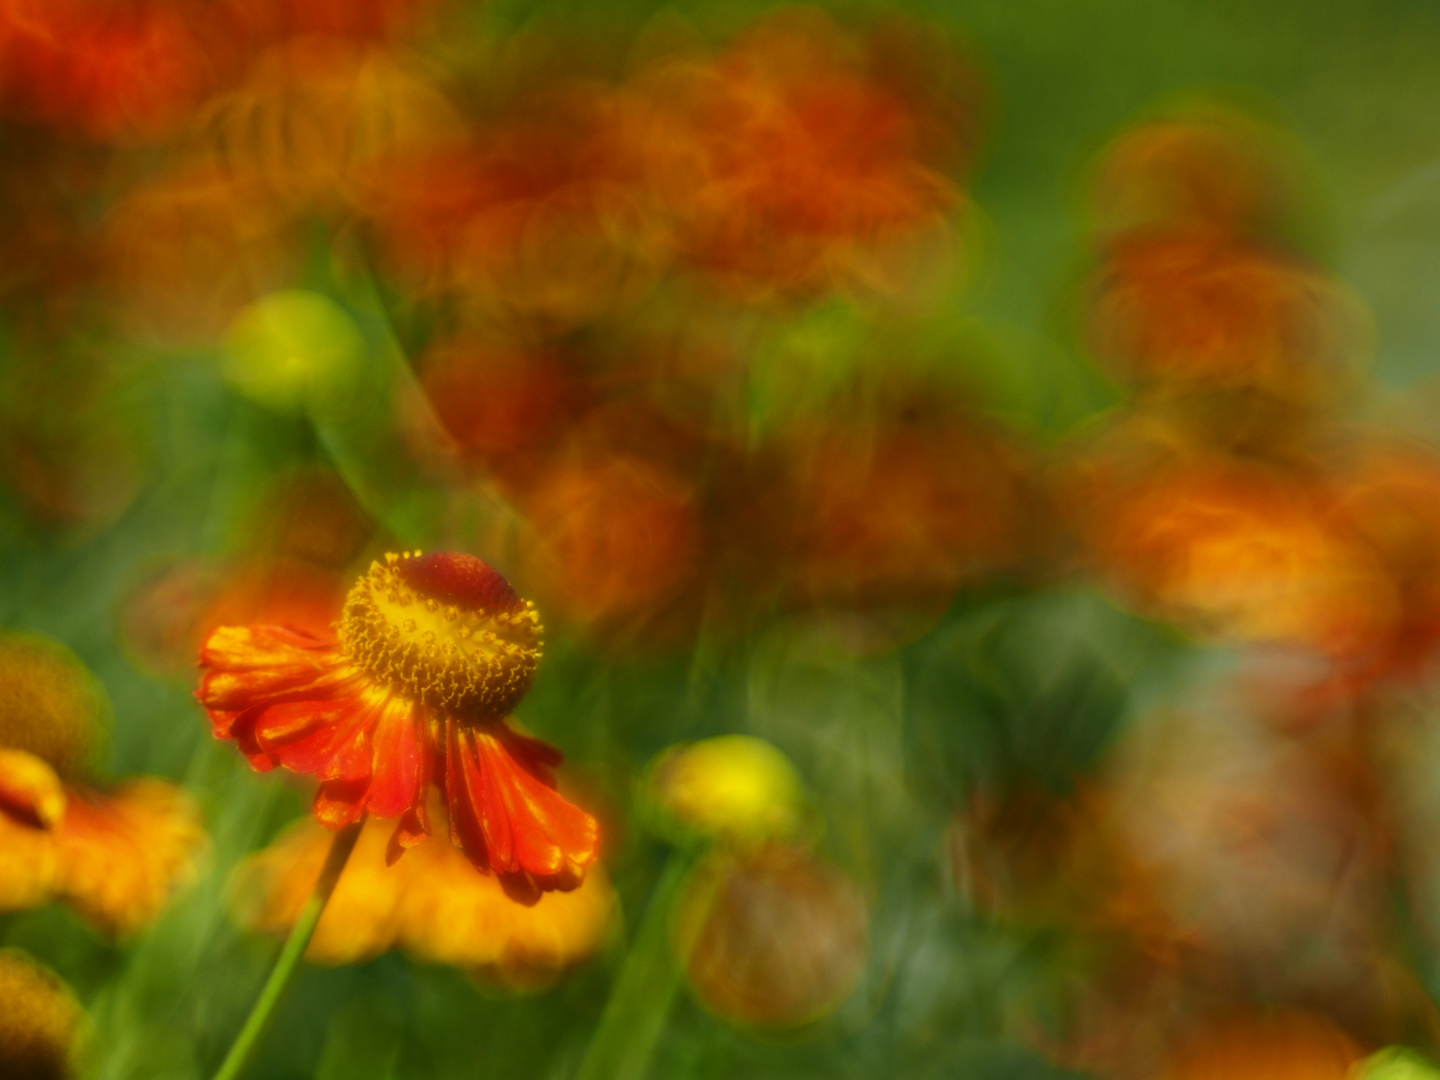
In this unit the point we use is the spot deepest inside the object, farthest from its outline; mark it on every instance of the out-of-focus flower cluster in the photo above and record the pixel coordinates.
(1229, 862)
(586, 258)
(672, 333)
(1235, 493)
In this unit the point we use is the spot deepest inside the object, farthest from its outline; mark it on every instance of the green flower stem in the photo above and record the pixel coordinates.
(289, 961)
(639, 1002)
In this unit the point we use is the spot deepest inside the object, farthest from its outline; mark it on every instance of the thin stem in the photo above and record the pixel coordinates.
(289, 960)
(640, 1000)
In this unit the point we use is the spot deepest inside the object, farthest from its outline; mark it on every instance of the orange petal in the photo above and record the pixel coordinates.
(465, 831)
(30, 792)
(341, 802)
(120, 856)
(398, 778)
(550, 835)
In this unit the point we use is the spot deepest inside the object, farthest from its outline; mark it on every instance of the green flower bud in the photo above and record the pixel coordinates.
(296, 350)
(1397, 1063)
(734, 788)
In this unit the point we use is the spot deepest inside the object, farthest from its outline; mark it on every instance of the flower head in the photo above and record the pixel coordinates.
(431, 654)
(113, 856)
(39, 1022)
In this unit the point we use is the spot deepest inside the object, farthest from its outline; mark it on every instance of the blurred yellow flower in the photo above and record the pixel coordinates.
(432, 904)
(116, 857)
(120, 856)
(39, 1021)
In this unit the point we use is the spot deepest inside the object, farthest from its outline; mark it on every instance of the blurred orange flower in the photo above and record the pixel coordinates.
(121, 854)
(537, 218)
(182, 253)
(503, 404)
(1265, 1046)
(615, 536)
(1389, 497)
(1235, 549)
(113, 70)
(315, 120)
(775, 938)
(432, 904)
(788, 164)
(905, 513)
(432, 654)
(1194, 309)
(1209, 167)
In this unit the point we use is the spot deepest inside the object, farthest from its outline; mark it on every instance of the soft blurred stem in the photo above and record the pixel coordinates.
(635, 1015)
(285, 967)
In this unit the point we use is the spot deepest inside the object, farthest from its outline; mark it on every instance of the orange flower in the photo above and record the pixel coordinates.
(904, 513)
(617, 536)
(1197, 309)
(789, 163)
(1208, 167)
(433, 905)
(432, 654)
(1235, 548)
(114, 857)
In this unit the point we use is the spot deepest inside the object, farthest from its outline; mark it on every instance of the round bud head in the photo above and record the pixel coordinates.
(296, 350)
(733, 787)
(51, 706)
(38, 1023)
(445, 630)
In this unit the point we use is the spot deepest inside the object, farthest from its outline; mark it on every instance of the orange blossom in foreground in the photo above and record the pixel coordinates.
(431, 654)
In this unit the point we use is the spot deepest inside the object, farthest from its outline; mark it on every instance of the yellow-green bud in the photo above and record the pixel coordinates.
(734, 788)
(296, 350)
(1397, 1063)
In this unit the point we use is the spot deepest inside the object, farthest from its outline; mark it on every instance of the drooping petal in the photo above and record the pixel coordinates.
(529, 831)
(465, 831)
(414, 825)
(551, 834)
(324, 738)
(412, 830)
(341, 802)
(491, 807)
(398, 780)
(534, 756)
